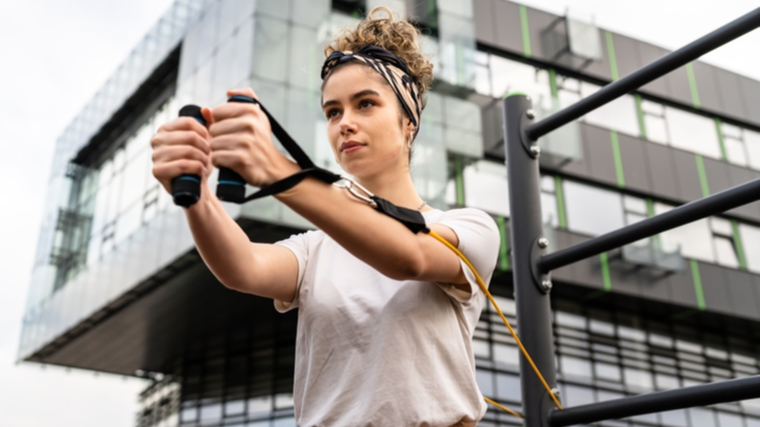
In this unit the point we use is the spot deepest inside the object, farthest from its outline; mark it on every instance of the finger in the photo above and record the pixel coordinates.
(181, 137)
(165, 172)
(229, 142)
(245, 92)
(208, 116)
(184, 123)
(229, 159)
(171, 153)
(235, 109)
(235, 125)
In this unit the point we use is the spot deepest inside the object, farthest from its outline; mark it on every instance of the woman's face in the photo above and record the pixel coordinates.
(364, 122)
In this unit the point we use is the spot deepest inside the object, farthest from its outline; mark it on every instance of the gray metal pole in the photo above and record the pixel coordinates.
(534, 318)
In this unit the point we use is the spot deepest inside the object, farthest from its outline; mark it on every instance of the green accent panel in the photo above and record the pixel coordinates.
(560, 201)
(515, 94)
(503, 249)
(697, 284)
(739, 245)
(525, 31)
(553, 83)
(459, 169)
(702, 175)
(618, 159)
(640, 114)
(719, 131)
(432, 14)
(693, 85)
(605, 272)
(611, 54)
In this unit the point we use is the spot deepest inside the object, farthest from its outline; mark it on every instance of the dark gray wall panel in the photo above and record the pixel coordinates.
(741, 294)
(626, 54)
(729, 91)
(588, 272)
(664, 180)
(507, 26)
(655, 285)
(717, 175)
(538, 22)
(647, 54)
(738, 175)
(704, 74)
(624, 278)
(601, 160)
(751, 93)
(685, 166)
(483, 17)
(678, 83)
(635, 166)
(682, 288)
(714, 288)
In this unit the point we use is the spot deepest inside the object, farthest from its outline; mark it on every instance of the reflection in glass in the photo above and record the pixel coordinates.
(638, 378)
(692, 132)
(702, 417)
(694, 239)
(505, 354)
(575, 366)
(619, 115)
(592, 210)
(508, 387)
(675, 418)
(606, 371)
(485, 187)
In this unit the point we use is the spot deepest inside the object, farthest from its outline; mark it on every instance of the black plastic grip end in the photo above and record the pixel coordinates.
(231, 186)
(186, 189)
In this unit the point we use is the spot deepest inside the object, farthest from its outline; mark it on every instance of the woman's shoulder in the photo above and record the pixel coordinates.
(472, 214)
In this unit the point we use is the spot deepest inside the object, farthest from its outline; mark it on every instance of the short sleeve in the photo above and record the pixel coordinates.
(299, 245)
(479, 241)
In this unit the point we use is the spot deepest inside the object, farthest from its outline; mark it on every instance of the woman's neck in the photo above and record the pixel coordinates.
(394, 185)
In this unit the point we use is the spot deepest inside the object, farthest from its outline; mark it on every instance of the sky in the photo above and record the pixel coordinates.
(57, 53)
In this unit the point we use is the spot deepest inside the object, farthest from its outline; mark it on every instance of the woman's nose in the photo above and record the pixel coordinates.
(347, 123)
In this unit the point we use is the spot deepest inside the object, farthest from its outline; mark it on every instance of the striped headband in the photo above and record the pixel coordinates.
(394, 71)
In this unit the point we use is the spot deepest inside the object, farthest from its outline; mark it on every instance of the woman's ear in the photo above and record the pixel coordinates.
(409, 129)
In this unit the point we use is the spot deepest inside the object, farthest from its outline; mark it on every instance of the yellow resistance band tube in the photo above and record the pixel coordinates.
(506, 322)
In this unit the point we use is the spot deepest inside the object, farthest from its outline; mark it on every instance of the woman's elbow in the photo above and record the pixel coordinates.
(411, 268)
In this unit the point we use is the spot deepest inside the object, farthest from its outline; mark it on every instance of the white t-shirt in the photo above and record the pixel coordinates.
(373, 351)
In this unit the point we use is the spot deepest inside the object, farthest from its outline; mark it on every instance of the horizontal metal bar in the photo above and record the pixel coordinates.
(684, 214)
(648, 73)
(699, 395)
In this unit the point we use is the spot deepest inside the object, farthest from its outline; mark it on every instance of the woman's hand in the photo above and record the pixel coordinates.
(241, 139)
(181, 147)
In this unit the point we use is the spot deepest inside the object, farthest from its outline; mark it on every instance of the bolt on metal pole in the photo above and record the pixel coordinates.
(534, 317)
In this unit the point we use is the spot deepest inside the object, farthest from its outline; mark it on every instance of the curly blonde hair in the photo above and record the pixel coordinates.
(399, 37)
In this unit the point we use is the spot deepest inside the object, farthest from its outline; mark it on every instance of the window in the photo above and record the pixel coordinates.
(654, 122)
(619, 115)
(752, 145)
(512, 76)
(694, 239)
(485, 187)
(692, 132)
(549, 201)
(592, 210)
(733, 142)
(723, 241)
(751, 242)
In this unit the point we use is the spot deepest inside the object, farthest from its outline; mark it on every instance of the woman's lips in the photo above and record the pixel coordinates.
(350, 146)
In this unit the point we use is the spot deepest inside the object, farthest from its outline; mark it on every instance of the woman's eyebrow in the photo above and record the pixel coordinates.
(359, 94)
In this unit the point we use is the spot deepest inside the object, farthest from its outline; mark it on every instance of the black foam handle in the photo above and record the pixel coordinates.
(186, 189)
(231, 186)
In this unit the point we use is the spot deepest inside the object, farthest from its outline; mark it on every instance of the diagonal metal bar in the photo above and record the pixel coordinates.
(699, 395)
(684, 214)
(646, 74)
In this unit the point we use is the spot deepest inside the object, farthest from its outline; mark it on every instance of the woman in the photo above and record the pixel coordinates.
(385, 316)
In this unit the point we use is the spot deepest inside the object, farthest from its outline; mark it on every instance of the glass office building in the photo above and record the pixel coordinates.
(118, 286)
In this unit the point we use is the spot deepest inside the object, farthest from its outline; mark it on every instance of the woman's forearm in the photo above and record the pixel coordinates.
(223, 245)
(377, 239)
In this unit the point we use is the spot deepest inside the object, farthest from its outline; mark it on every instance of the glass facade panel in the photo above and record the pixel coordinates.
(619, 115)
(592, 210)
(752, 145)
(751, 242)
(482, 180)
(692, 132)
(694, 239)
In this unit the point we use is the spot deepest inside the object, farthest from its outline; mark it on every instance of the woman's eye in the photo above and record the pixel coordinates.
(366, 103)
(331, 113)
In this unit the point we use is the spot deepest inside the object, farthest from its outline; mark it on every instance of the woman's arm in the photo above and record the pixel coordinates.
(181, 147)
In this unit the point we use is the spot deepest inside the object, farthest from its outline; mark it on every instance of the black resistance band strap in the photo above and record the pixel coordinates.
(412, 219)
